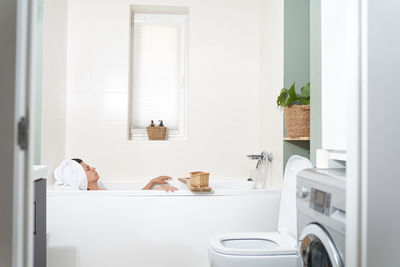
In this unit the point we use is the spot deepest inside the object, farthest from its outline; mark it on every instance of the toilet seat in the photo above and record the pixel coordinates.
(254, 244)
(267, 248)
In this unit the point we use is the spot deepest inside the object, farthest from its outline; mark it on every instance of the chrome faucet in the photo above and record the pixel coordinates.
(260, 172)
(260, 158)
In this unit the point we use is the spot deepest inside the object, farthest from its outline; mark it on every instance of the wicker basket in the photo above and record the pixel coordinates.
(156, 132)
(297, 121)
(199, 179)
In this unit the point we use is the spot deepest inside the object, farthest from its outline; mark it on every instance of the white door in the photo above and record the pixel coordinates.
(17, 79)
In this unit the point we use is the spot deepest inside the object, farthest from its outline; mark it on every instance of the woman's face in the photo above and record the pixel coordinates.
(91, 173)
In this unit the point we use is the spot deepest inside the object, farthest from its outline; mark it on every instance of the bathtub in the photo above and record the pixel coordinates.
(125, 226)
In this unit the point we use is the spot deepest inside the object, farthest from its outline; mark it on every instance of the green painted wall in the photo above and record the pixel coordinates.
(315, 78)
(296, 61)
(290, 148)
(297, 43)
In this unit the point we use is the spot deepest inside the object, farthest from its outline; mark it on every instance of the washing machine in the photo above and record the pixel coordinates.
(321, 217)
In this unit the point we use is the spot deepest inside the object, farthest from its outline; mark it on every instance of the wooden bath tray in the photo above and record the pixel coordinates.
(194, 188)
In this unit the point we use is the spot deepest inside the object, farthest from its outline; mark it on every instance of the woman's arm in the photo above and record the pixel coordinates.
(166, 188)
(157, 180)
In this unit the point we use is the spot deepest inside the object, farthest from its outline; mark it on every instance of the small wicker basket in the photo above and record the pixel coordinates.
(156, 132)
(199, 179)
(297, 121)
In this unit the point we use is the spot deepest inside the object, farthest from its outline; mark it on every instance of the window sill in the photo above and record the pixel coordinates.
(141, 135)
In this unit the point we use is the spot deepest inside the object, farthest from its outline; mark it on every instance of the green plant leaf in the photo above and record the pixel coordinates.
(304, 101)
(305, 91)
(305, 95)
(292, 96)
(282, 97)
(289, 96)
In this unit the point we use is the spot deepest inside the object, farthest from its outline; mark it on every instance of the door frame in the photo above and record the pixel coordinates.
(17, 74)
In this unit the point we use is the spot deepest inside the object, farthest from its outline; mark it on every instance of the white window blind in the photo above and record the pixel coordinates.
(158, 71)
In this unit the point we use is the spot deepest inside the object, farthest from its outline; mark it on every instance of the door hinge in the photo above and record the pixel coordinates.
(23, 133)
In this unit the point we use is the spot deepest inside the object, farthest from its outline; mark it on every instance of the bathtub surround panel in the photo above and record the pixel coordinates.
(151, 229)
(224, 117)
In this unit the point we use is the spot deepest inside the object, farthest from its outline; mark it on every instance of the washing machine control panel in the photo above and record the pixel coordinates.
(321, 196)
(317, 199)
(320, 201)
(303, 192)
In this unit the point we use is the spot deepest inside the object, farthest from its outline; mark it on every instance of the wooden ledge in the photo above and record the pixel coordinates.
(297, 139)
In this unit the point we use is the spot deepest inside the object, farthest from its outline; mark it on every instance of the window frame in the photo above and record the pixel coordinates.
(172, 134)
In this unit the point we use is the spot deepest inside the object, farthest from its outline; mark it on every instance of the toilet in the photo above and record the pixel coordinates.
(275, 249)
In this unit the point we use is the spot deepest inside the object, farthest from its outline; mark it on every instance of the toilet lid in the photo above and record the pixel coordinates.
(287, 221)
(254, 244)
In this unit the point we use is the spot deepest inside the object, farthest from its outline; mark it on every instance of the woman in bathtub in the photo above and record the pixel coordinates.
(75, 174)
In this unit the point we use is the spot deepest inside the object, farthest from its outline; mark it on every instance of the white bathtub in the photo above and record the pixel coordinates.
(126, 226)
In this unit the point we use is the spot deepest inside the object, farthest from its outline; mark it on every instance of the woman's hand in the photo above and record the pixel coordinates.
(158, 180)
(167, 188)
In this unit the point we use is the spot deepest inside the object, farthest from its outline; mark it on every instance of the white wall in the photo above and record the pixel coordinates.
(54, 82)
(271, 83)
(227, 115)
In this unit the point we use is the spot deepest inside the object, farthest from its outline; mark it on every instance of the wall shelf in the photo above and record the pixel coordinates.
(296, 139)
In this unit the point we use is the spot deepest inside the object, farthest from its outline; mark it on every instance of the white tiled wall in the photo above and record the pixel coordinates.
(54, 83)
(223, 98)
(271, 82)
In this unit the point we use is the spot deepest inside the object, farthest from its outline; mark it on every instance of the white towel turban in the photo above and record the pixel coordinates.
(70, 175)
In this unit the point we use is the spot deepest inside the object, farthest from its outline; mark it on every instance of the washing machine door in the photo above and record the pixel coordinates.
(317, 248)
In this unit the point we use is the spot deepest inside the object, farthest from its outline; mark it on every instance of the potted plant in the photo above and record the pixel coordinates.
(296, 110)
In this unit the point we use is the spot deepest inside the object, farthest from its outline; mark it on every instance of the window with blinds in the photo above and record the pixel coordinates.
(158, 57)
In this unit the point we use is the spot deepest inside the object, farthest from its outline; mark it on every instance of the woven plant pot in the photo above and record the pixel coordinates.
(156, 132)
(297, 121)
